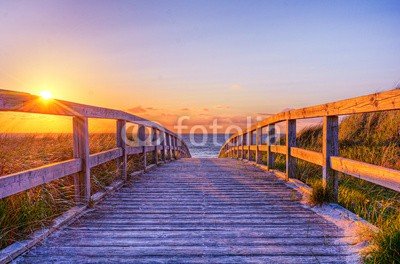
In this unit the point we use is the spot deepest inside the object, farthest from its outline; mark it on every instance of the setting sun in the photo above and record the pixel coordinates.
(46, 95)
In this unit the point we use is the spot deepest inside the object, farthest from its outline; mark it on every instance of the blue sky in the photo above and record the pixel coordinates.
(233, 58)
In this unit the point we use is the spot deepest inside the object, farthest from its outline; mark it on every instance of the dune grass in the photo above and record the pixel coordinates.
(22, 213)
(373, 138)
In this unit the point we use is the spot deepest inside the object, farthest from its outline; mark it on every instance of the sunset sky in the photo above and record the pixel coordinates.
(204, 59)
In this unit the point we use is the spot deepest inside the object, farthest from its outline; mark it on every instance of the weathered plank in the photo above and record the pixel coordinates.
(376, 174)
(131, 150)
(389, 100)
(105, 156)
(307, 155)
(384, 101)
(278, 149)
(22, 181)
(330, 148)
(81, 150)
(204, 210)
(291, 163)
(121, 143)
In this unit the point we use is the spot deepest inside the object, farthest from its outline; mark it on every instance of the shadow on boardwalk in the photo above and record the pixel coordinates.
(197, 210)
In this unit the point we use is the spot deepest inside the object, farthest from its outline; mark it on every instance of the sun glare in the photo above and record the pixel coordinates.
(46, 95)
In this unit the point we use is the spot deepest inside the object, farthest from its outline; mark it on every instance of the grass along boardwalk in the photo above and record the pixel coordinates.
(197, 210)
(246, 201)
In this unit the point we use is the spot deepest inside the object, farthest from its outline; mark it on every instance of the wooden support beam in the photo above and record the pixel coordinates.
(290, 142)
(307, 155)
(142, 143)
(279, 149)
(154, 140)
(330, 147)
(258, 144)
(242, 153)
(249, 143)
(163, 143)
(25, 180)
(81, 150)
(271, 141)
(382, 176)
(169, 151)
(105, 156)
(237, 147)
(121, 143)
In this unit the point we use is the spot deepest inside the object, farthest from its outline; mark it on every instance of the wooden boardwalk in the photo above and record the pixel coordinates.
(197, 210)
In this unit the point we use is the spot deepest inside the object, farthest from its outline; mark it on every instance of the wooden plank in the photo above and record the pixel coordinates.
(307, 155)
(150, 148)
(384, 101)
(121, 143)
(330, 147)
(154, 142)
(250, 143)
(142, 143)
(258, 142)
(291, 162)
(25, 180)
(105, 156)
(278, 149)
(271, 141)
(262, 148)
(169, 150)
(253, 147)
(242, 153)
(81, 150)
(162, 216)
(130, 150)
(376, 174)
(24, 102)
(163, 144)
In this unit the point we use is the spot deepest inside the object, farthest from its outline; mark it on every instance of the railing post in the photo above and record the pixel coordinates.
(242, 147)
(142, 143)
(169, 141)
(330, 147)
(121, 143)
(237, 147)
(271, 141)
(81, 150)
(174, 144)
(249, 143)
(154, 140)
(163, 143)
(258, 143)
(290, 142)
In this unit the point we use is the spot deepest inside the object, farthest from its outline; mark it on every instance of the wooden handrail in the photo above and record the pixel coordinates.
(329, 158)
(170, 144)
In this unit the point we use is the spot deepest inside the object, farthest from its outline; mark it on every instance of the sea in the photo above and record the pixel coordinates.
(205, 145)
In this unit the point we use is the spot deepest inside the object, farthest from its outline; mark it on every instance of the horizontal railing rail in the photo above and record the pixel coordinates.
(163, 142)
(244, 146)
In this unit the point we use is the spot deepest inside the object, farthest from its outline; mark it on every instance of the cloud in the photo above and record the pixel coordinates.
(185, 109)
(137, 109)
(151, 109)
(205, 109)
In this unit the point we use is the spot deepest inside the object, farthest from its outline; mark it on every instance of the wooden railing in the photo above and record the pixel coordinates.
(168, 144)
(243, 146)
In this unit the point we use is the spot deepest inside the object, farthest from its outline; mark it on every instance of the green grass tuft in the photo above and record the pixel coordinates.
(320, 195)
